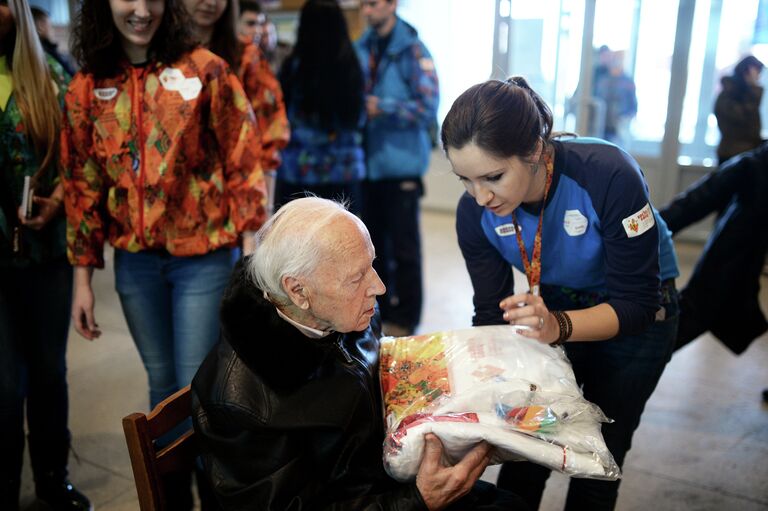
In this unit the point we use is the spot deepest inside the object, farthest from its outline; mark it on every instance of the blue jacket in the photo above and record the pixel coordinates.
(602, 241)
(397, 141)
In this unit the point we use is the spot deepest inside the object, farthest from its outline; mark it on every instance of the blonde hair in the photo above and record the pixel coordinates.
(34, 88)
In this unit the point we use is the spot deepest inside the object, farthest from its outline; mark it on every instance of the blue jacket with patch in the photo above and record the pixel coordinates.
(601, 242)
(397, 142)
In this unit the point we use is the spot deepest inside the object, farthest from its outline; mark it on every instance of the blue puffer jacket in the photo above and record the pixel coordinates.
(397, 141)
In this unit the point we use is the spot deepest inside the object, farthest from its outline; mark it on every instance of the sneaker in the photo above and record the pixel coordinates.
(63, 496)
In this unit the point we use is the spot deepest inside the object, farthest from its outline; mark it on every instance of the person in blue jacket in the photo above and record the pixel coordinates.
(401, 103)
(575, 216)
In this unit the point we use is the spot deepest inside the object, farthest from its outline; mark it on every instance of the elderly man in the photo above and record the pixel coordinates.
(287, 407)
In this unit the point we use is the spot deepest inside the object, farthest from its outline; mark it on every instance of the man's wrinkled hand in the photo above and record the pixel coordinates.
(439, 483)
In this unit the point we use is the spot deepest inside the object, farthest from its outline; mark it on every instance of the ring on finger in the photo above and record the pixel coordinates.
(541, 322)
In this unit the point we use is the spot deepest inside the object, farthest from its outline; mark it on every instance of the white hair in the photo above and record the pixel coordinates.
(290, 243)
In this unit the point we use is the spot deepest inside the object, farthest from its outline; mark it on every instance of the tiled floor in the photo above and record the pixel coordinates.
(702, 444)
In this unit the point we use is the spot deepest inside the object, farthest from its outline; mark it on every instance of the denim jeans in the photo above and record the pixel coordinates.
(171, 305)
(391, 213)
(619, 376)
(34, 324)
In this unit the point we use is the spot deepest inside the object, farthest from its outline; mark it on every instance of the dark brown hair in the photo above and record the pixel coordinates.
(323, 74)
(224, 41)
(747, 63)
(503, 118)
(250, 6)
(96, 41)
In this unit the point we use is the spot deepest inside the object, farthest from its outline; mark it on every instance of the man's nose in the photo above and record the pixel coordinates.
(377, 287)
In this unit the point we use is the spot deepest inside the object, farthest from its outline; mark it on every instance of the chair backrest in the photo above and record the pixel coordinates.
(151, 464)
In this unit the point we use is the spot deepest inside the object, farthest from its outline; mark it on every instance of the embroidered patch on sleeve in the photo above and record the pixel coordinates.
(640, 222)
(426, 64)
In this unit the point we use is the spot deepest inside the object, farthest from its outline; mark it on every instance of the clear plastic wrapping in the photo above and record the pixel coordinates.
(488, 383)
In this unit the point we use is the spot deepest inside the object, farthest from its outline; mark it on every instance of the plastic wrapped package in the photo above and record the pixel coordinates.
(488, 383)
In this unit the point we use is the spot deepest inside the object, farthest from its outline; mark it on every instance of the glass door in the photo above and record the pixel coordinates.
(541, 41)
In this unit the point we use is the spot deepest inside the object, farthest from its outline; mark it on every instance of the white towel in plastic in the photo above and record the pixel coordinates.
(488, 383)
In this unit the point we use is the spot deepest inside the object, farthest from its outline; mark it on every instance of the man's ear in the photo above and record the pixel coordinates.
(296, 291)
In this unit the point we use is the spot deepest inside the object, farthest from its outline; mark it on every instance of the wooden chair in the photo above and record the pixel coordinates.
(151, 464)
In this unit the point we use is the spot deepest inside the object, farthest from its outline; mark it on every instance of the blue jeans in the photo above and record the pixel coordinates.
(171, 305)
(34, 324)
(619, 376)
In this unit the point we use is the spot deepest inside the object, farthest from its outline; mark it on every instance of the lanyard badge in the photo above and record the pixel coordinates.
(533, 267)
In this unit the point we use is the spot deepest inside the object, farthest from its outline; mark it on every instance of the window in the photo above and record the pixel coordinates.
(724, 32)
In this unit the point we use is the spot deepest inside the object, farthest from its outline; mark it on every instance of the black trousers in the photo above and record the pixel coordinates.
(486, 497)
(391, 213)
(34, 325)
(619, 376)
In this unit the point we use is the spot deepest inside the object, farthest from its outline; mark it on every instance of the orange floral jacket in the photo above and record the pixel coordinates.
(160, 157)
(266, 97)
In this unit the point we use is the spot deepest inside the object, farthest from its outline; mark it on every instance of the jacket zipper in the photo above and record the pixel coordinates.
(370, 378)
(138, 90)
(343, 351)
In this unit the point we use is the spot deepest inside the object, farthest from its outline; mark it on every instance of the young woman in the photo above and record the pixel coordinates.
(161, 156)
(325, 94)
(575, 216)
(214, 25)
(35, 278)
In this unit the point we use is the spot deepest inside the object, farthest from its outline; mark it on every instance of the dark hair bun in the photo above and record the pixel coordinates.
(519, 81)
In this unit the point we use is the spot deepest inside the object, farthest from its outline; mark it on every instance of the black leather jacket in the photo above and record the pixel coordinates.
(289, 422)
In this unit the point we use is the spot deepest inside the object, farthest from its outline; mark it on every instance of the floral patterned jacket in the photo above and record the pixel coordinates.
(266, 97)
(160, 157)
(18, 159)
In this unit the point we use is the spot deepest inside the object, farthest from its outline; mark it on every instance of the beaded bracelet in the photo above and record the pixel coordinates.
(565, 325)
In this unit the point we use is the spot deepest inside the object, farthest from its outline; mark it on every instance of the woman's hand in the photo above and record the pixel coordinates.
(48, 208)
(529, 312)
(439, 483)
(83, 304)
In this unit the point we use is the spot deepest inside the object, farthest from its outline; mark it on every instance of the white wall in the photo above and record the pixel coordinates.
(443, 188)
